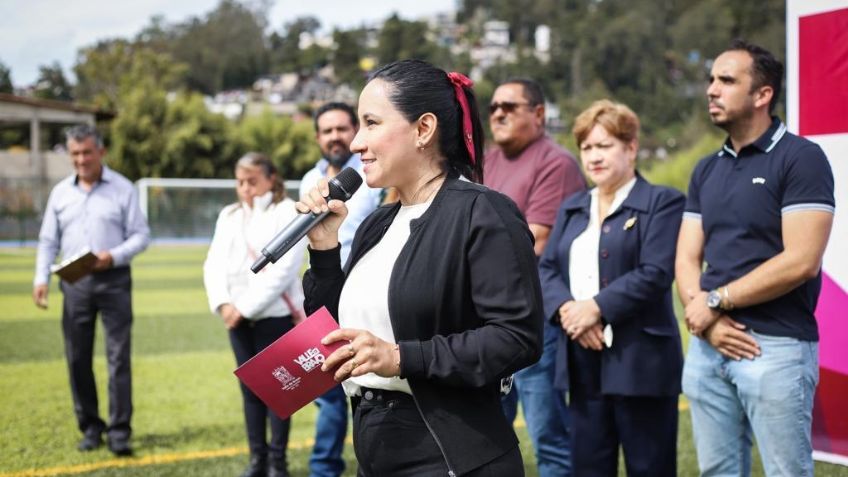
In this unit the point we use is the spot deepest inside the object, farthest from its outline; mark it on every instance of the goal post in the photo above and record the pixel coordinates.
(186, 209)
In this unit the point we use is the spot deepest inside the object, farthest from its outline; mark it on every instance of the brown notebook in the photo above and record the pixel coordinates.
(73, 268)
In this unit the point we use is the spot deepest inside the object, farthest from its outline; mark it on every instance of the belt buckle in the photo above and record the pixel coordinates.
(506, 384)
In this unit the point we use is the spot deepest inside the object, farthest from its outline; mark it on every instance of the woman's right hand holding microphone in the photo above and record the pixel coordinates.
(325, 235)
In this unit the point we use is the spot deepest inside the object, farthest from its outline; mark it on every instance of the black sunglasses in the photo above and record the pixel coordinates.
(507, 106)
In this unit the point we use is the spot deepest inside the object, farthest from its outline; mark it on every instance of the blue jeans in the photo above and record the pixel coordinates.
(545, 411)
(330, 429)
(770, 396)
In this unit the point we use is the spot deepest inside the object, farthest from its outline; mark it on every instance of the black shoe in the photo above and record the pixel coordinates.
(258, 467)
(120, 447)
(278, 469)
(89, 442)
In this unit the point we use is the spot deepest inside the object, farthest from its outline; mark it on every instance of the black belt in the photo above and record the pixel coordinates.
(383, 395)
(118, 269)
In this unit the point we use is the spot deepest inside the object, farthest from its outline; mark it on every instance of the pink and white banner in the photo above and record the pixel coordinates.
(817, 108)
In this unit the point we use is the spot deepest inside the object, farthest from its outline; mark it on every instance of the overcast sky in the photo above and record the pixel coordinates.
(39, 32)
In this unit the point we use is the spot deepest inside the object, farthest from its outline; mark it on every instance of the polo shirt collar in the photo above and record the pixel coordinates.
(764, 143)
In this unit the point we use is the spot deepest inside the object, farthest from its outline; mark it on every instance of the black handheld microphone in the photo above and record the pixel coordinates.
(342, 188)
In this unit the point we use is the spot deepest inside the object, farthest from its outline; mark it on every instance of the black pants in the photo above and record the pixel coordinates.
(247, 339)
(645, 427)
(108, 293)
(391, 439)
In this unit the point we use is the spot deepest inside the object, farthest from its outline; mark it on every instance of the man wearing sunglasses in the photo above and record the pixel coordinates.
(538, 174)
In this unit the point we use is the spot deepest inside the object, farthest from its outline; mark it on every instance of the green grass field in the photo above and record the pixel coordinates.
(187, 418)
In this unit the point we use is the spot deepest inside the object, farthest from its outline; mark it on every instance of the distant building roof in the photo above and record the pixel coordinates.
(56, 105)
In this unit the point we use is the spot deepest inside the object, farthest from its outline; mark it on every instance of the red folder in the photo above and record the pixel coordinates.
(287, 374)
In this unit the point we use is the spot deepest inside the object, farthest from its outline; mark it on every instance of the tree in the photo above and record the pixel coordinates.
(225, 50)
(286, 54)
(155, 137)
(290, 144)
(650, 54)
(111, 69)
(51, 83)
(6, 79)
(137, 140)
(157, 34)
(197, 141)
(349, 47)
(702, 31)
(402, 39)
(527, 66)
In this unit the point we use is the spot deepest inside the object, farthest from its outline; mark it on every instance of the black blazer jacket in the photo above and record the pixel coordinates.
(466, 309)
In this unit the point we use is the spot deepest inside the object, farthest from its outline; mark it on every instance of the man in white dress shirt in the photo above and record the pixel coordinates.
(95, 209)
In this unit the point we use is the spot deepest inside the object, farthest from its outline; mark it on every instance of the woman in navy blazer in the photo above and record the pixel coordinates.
(606, 279)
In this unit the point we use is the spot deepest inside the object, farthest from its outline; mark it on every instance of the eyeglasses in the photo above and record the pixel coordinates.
(507, 106)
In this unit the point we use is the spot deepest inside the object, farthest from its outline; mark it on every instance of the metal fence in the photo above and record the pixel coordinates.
(176, 209)
(186, 209)
(21, 208)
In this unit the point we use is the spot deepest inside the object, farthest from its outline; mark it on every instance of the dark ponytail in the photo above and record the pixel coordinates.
(418, 88)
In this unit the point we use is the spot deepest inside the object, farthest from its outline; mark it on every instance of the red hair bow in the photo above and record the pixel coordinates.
(459, 82)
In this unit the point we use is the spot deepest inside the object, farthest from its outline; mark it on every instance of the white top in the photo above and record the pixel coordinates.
(364, 302)
(583, 270)
(240, 235)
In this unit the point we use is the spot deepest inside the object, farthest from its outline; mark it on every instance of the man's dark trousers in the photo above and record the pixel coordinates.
(109, 293)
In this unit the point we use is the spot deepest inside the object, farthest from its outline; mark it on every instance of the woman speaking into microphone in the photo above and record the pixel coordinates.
(440, 297)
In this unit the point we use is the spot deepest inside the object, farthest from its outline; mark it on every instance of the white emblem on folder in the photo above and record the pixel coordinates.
(287, 379)
(310, 359)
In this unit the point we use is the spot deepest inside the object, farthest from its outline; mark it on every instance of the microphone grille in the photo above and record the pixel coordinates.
(346, 182)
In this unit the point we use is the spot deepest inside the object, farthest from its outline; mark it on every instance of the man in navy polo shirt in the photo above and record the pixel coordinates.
(759, 213)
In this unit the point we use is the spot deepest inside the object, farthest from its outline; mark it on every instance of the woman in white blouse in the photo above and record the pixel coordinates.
(606, 280)
(439, 298)
(257, 308)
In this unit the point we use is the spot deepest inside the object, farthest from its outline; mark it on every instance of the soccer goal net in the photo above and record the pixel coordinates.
(186, 209)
